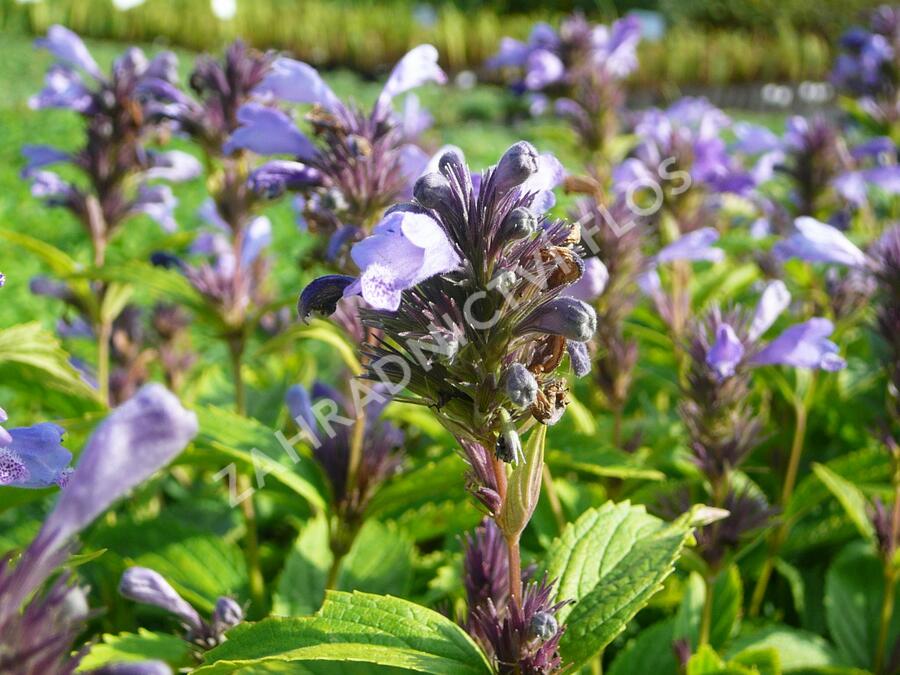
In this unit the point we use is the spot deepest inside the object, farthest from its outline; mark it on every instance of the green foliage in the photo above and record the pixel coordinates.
(376, 630)
(610, 562)
(145, 645)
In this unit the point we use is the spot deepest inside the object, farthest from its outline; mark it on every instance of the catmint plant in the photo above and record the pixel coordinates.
(826, 174)
(355, 165)
(38, 628)
(118, 171)
(867, 70)
(579, 70)
(357, 454)
(465, 285)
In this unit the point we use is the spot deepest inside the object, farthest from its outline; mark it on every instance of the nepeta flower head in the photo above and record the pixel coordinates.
(887, 266)
(868, 66)
(113, 157)
(137, 439)
(361, 162)
(220, 88)
(327, 418)
(150, 588)
(469, 302)
(521, 638)
(582, 66)
(681, 150)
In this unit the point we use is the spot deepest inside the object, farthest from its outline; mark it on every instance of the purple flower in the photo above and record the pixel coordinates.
(542, 68)
(404, 249)
(805, 345)
(854, 185)
(592, 282)
(696, 245)
(158, 202)
(39, 156)
(63, 88)
(68, 48)
(417, 67)
(135, 440)
(150, 588)
(35, 457)
(268, 131)
(273, 178)
(815, 241)
(134, 668)
(297, 82)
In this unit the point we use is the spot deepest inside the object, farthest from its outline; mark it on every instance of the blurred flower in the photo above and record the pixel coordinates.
(815, 241)
(37, 631)
(150, 588)
(357, 164)
(33, 457)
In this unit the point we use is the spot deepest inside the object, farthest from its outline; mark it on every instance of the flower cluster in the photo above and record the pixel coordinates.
(37, 630)
(520, 638)
(117, 167)
(582, 66)
(358, 163)
(868, 67)
(354, 472)
(466, 286)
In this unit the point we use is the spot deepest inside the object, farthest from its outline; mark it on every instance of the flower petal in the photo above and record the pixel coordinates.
(804, 345)
(68, 47)
(774, 300)
(269, 131)
(298, 82)
(418, 66)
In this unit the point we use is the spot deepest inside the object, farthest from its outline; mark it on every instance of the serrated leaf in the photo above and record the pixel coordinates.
(610, 561)
(301, 586)
(357, 627)
(850, 497)
(130, 647)
(797, 649)
(257, 449)
(854, 592)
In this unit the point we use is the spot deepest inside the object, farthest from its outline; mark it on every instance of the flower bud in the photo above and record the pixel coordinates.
(578, 355)
(273, 178)
(432, 190)
(515, 167)
(568, 317)
(227, 614)
(150, 588)
(521, 387)
(543, 626)
(452, 163)
(321, 295)
(508, 448)
(518, 224)
(524, 486)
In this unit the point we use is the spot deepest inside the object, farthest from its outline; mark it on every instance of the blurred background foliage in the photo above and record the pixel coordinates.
(704, 42)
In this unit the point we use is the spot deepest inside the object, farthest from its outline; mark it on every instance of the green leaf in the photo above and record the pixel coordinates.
(143, 646)
(610, 561)
(355, 627)
(854, 591)
(30, 346)
(524, 485)
(705, 662)
(320, 330)
(258, 450)
(850, 497)
(301, 586)
(797, 649)
(380, 561)
(728, 595)
(862, 467)
(761, 661)
(114, 301)
(646, 654)
(199, 565)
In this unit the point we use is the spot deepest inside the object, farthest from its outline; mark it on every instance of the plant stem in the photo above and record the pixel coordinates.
(706, 615)
(887, 612)
(515, 569)
(104, 333)
(251, 536)
(787, 491)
